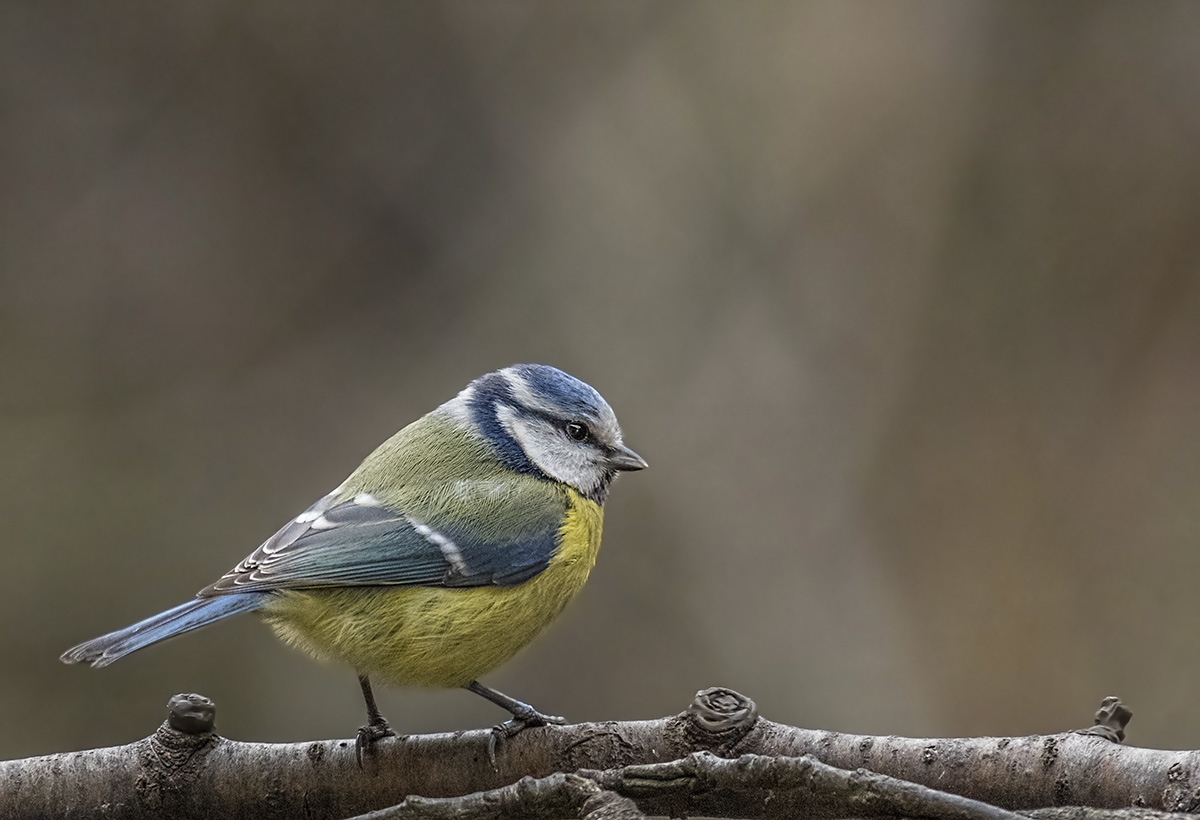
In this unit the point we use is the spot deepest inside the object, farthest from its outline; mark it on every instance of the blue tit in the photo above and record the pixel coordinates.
(448, 550)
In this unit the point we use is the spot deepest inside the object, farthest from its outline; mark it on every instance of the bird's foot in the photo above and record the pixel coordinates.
(368, 735)
(524, 717)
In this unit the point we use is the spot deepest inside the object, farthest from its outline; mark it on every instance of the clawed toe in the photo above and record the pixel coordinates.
(520, 723)
(524, 716)
(511, 728)
(367, 736)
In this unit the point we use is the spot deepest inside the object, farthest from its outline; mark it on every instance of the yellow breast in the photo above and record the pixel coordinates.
(433, 636)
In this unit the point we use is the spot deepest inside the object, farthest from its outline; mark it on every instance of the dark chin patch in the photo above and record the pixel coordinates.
(601, 492)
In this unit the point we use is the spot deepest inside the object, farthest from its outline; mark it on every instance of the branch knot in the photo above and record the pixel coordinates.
(187, 731)
(191, 714)
(719, 717)
(1110, 721)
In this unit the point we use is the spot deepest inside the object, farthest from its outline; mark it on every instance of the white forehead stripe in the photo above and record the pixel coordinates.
(523, 393)
(449, 549)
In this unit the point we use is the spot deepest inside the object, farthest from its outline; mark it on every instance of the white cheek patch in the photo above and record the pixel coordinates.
(552, 452)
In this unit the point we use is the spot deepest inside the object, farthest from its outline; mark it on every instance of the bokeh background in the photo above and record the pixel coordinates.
(900, 301)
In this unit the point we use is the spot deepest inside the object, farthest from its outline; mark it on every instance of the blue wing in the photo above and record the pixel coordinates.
(360, 542)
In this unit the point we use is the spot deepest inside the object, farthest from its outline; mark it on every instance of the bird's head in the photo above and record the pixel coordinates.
(546, 422)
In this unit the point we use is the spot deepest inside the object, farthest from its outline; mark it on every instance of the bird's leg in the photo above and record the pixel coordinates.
(524, 716)
(377, 726)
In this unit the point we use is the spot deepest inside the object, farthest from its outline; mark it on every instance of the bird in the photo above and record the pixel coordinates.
(451, 547)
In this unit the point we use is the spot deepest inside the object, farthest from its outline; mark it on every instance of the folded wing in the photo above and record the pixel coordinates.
(361, 542)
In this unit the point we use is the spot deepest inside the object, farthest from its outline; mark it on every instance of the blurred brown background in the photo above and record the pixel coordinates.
(900, 301)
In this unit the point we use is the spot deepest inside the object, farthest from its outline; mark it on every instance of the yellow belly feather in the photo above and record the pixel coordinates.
(429, 636)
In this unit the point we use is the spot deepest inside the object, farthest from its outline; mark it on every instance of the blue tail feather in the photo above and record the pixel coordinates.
(194, 614)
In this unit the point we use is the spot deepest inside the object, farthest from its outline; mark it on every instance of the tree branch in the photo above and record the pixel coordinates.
(702, 783)
(185, 770)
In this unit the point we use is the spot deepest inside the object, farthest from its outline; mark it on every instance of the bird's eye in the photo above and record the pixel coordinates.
(576, 431)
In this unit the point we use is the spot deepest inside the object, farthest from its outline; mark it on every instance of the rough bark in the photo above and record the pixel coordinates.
(702, 783)
(185, 770)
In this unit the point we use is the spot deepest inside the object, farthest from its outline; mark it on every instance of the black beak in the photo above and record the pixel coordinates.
(626, 460)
